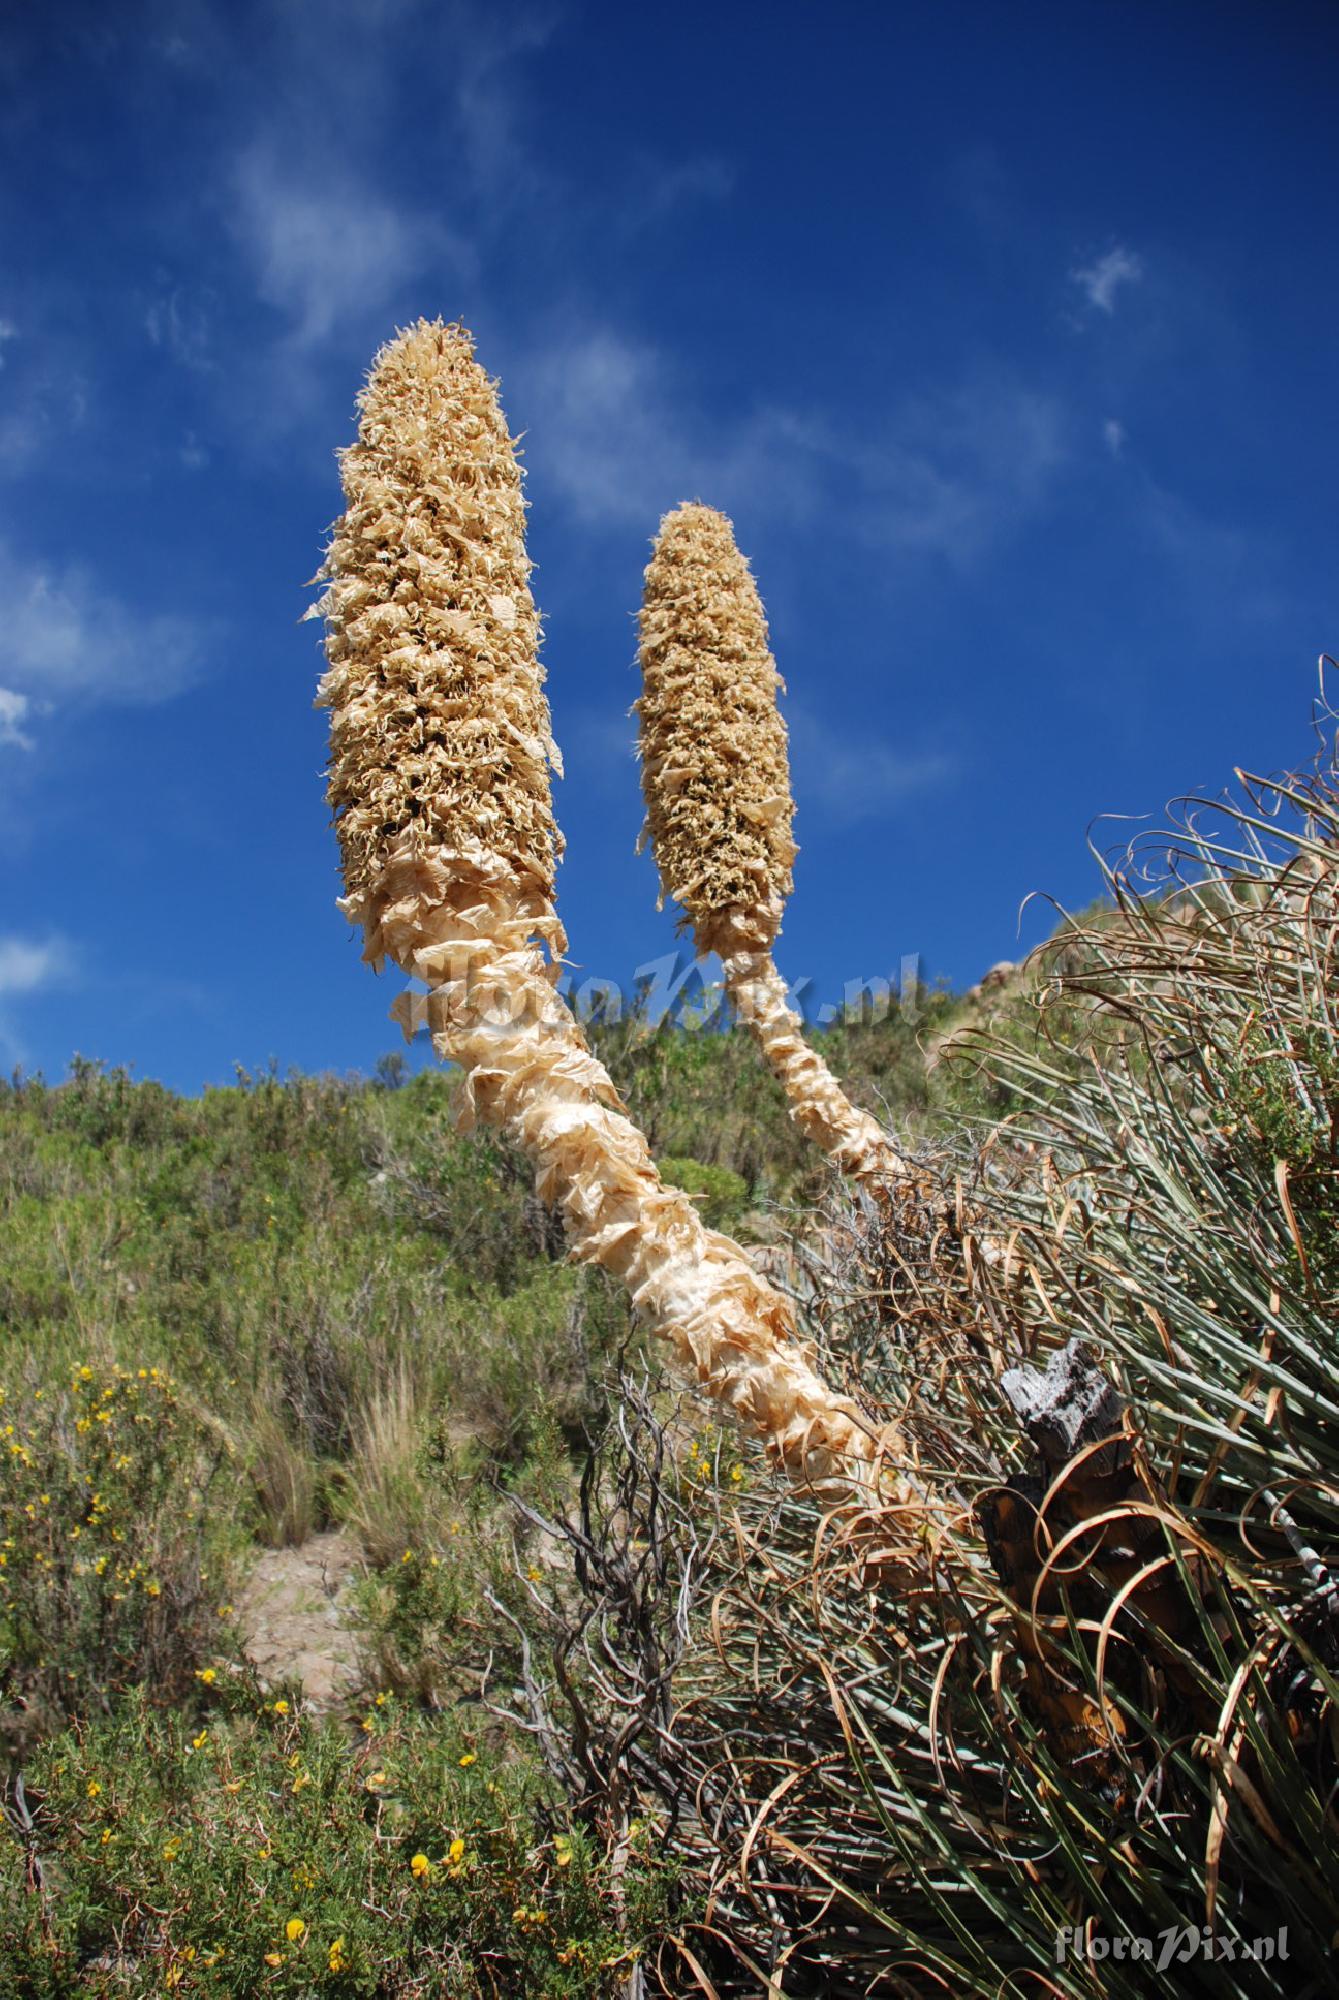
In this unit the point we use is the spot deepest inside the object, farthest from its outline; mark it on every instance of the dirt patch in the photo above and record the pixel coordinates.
(294, 1615)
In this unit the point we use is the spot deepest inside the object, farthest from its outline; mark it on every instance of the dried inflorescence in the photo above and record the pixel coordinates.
(716, 782)
(715, 775)
(440, 753)
(439, 728)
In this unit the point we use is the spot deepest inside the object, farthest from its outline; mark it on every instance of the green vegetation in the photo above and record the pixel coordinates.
(292, 1306)
(238, 1848)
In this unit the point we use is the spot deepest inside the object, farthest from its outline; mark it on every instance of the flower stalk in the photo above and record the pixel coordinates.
(719, 810)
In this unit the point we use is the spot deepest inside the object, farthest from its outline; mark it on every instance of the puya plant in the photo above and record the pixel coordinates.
(719, 810)
(440, 763)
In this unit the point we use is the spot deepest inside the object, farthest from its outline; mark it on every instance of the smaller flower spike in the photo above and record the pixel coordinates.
(716, 781)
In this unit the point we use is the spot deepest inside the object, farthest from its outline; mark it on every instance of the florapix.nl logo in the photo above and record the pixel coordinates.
(1178, 1944)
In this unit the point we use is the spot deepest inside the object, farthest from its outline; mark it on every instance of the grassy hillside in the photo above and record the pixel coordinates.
(294, 1305)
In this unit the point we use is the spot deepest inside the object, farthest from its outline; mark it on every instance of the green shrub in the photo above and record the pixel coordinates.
(117, 1499)
(252, 1851)
(721, 1196)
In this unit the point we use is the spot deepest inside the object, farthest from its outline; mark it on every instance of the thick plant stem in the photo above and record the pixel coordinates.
(460, 923)
(853, 1140)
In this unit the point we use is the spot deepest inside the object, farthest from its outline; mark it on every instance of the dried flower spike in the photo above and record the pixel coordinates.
(439, 779)
(716, 781)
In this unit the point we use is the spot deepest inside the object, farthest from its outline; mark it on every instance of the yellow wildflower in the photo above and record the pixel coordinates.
(207, 1675)
(338, 1960)
(295, 1930)
(421, 1866)
(467, 1760)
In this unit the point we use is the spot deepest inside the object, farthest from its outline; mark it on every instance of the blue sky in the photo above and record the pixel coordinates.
(1005, 335)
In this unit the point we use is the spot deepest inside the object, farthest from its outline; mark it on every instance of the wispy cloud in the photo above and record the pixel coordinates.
(65, 638)
(323, 246)
(26, 965)
(623, 438)
(180, 320)
(1101, 281)
(663, 188)
(13, 710)
(953, 474)
(8, 332)
(852, 778)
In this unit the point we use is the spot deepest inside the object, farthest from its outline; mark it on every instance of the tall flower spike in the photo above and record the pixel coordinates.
(439, 779)
(716, 781)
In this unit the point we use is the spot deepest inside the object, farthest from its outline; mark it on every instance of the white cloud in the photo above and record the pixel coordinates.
(13, 710)
(180, 320)
(704, 178)
(952, 474)
(946, 475)
(850, 778)
(65, 638)
(1114, 436)
(26, 966)
(1101, 280)
(323, 247)
(8, 331)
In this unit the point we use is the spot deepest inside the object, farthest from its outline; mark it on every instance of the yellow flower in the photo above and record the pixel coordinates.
(562, 1849)
(207, 1675)
(199, 1742)
(467, 1760)
(295, 1930)
(421, 1866)
(274, 1958)
(534, 1574)
(171, 1849)
(338, 1961)
(455, 1853)
(281, 1708)
(153, 1589)
(374, 1779)
(93, 1788)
